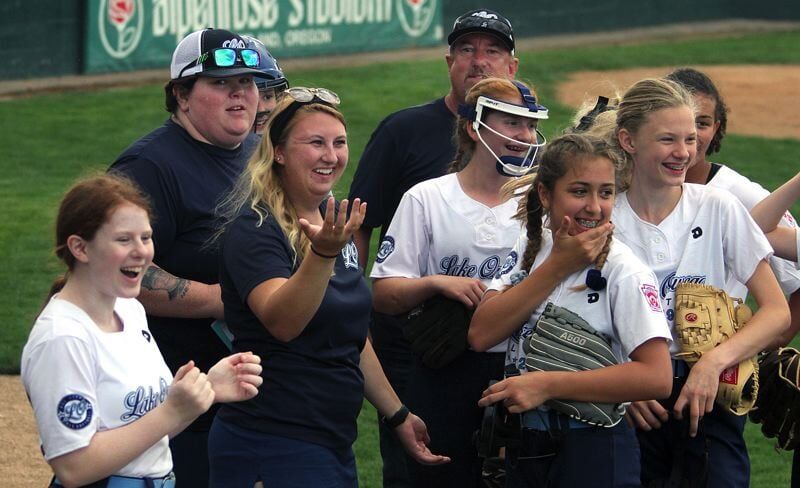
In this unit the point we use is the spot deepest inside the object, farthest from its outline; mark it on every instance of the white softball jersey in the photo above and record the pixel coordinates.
(750, 193)
(81, 380)
(627, 310)
(708, 238)
(439, 229)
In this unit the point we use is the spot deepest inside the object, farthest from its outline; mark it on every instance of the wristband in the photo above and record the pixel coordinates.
(326, 256)
(398, 418)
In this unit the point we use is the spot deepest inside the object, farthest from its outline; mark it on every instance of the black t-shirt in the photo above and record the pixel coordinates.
(313, 386)
(407, 147)
(185, 179)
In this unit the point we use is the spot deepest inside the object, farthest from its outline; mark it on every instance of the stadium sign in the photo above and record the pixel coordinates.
(140, 34)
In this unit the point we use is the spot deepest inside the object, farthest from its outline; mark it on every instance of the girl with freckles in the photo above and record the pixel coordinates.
(567, 257)
(687, 232)
(105, 402)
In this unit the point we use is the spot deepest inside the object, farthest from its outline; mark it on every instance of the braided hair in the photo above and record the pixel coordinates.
(559, 154)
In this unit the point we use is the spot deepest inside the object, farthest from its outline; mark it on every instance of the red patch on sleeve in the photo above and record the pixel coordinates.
(651, 296)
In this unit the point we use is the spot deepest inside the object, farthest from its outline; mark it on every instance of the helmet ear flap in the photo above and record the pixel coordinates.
(470, 113)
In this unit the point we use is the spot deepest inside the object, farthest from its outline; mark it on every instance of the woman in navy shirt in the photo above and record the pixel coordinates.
(293, 291)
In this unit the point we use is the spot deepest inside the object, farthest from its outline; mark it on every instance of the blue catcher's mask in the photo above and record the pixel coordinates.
(509, 165)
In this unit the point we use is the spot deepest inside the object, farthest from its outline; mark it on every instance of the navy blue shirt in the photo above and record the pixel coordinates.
(409, 146)
(313, 386)
(185, 179)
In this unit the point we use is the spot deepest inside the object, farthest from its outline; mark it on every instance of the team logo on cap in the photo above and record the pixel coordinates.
(75, 411)
(416, 16)
(387, 247)
(234, 43)
(485, 15)
(120, 26)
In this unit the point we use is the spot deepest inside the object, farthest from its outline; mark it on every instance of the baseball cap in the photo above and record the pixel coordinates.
(194, 45)
(486, 21)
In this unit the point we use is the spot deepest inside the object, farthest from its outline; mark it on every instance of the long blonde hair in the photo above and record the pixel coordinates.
(260, 186)
(642, 99)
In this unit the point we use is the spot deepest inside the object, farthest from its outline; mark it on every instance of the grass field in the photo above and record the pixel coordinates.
(49, 140)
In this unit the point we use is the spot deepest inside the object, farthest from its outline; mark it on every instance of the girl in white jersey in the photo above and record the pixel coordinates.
(449, 237)
(711, 122)
(574, 191)
(104, 400)
(693, 233)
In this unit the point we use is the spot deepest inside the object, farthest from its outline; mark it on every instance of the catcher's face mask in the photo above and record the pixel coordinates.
(510, 165)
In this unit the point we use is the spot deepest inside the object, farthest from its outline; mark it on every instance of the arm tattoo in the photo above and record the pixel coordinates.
(156, 278)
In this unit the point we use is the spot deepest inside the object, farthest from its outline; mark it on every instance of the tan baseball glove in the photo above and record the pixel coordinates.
(706, 316)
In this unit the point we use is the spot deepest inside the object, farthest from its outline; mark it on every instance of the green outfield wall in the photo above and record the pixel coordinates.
(42, 38)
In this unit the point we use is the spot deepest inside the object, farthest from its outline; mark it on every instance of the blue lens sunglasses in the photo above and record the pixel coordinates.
(225, 57)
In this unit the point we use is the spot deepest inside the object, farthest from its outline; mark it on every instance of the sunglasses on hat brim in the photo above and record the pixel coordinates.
(225, 57)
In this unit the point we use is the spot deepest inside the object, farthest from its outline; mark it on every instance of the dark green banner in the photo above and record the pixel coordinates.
(137, 34)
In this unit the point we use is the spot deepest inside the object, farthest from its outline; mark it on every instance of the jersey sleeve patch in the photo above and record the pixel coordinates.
(651, 296)
(74, 411)
(386, 249)
(508, 265)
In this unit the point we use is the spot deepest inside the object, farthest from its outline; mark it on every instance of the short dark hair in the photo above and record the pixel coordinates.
(170, 100)
(698, 82)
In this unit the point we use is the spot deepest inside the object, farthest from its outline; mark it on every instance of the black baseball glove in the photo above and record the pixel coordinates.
(778, 405)
(437, 330)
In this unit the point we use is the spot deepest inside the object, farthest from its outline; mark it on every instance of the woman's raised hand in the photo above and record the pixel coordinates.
(236, 377)
(329, 238)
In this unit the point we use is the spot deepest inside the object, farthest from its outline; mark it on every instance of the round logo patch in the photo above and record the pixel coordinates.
(387, 247)
(74, 411)
(508, 265)
(690, 317)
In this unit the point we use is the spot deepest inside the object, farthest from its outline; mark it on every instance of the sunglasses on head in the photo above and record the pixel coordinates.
(225, 57)
(305, 95)
(302, 96)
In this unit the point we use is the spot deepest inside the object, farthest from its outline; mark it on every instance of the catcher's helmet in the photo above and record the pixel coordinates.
(509, 165)
(270, 74)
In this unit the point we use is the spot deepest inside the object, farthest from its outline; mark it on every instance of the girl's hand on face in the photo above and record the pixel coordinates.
(576, 252)
(334, 233)
(236, 378)
(190, 394)
(518, 394)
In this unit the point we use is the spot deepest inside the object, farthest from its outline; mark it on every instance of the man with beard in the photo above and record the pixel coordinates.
(410, 146)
